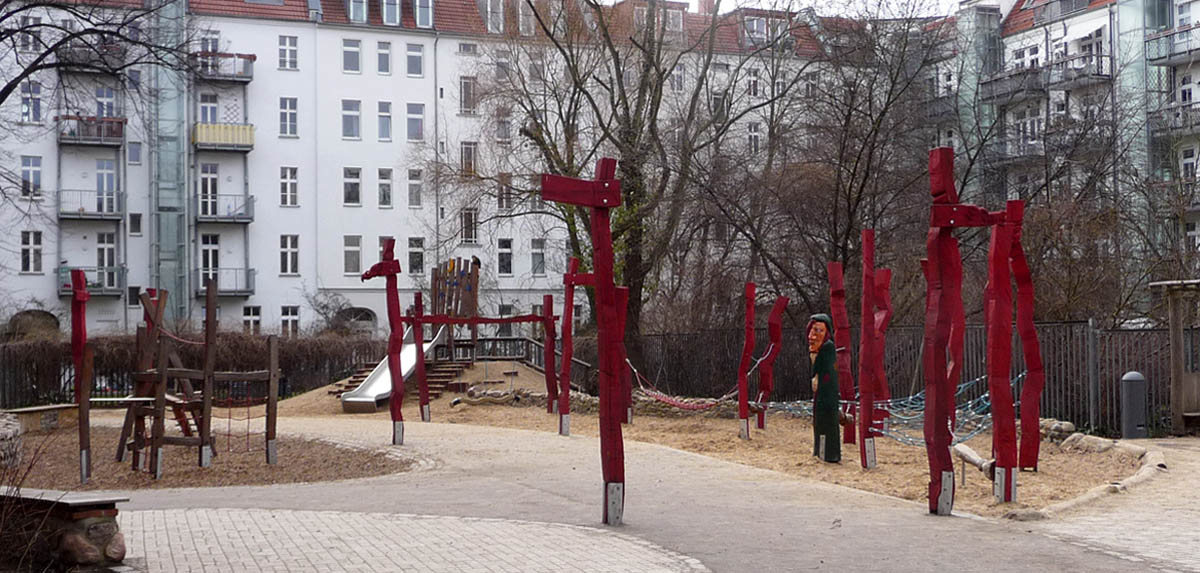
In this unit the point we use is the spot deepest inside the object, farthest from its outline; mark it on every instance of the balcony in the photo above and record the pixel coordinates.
(101, 281)
(223, 136)
(90, 130)
(230, 282)
(1176, 120)
(91, 205)
(1080, 71)
(81, 57)
(223, 208)
(223, 67)
(1174, 46)
(1014, 152)
(1012, 86)
(942, 108)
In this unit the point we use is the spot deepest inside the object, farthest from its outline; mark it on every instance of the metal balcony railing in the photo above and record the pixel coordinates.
(1173, 46)
(90, 130)
(101, 281)
(230, 281)
(222, 66)
(80, 56)
(1015, 150)
(1180, 118)
(91, 204)
(223, 208)
(1013, 85)
(942, 107)
(223, 136)
(1080, 69)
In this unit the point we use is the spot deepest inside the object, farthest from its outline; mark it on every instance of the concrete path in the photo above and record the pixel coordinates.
(1158, 520)
(727, 516)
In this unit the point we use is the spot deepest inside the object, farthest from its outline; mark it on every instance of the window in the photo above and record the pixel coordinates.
(537, 70)
(106, 260)
(391, 12)
(287, 116)
(467, 158)
(133, 79)
(495, 16)
(31, 36)
(416, 121)
(504, 192)
(753, 87)
(385, 58)
(383, 239)
(639, 18)
(525, 17)
(251, 319)
(135, 223)
(719, 108)
(416, 255)
(506, 328)
(351, 127)
(106, 185)
(351, 186)
(537, 262)
(352, 254)
(288, 183)
(504, 257)
(414, 187)
(752, 127)
(424, 13)
(674, 20)
(350, 56)
(208, 192)
(31, 251)
(470, 226)
(31, 176)
(416, 60)
(503, 65)
(133, 296)
(385, 121)
(133, 152)
(468, 49)
(288, 53)
(31, 102)
(756, 28)
(676, 78)
(466, 91)
(357, 11)
(290, 321)
(385, 187)
(208, 108)
(503, 124)
(289, 254)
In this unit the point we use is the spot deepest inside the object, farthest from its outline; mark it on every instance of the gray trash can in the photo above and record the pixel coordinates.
(1133, 405)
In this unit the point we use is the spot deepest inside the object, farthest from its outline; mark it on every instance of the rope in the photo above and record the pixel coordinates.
(654, 393)
(168, 334)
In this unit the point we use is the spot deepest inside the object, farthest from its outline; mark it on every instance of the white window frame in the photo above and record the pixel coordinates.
(352, 119)
(289, 52)
(674, 20)
(468, 95)
(416, 186)
(289, 186)
(252, 319)
(209, 105)
(392, 19)
(468, 221)
(31, 102)
(289, 321)
(506, 197)
(131, 156)
(416, 51)
(352, 48)
(495, 16)
(352, 255)
(31, 176)
(418, 117)
(289, 116)
(385, 187)
(356, 11)
(384, 124)
(639, 18)
(383, 59)
(424, 13)
(755, 139)
(676, 79)
(537, 257)
(289, 255)
(468, 158)
(504, 251)
(416, 247)
(524, 18)
(351, 180)
(31, 252)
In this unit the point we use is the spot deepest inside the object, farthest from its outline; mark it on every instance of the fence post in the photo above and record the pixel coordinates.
(1093, 372)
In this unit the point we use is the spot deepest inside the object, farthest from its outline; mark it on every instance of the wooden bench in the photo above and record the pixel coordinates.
(67, 528)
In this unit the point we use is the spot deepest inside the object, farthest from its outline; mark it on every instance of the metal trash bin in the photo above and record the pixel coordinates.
(1133, 405)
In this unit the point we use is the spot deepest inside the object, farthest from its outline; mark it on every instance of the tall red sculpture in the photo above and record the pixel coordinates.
(602, 194)
(872, 384)
(766, 370)
(389, 267)
(548, 349)
(944, 329)
(841, 340)
(743, 381)
(83, 378)
(570, 280)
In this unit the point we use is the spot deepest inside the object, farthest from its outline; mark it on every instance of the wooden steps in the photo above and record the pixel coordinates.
(353, 381)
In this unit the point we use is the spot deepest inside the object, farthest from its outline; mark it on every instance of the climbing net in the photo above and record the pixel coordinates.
(648, 389)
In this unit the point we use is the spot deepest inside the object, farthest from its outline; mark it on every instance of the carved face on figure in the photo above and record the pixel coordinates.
(816, 336)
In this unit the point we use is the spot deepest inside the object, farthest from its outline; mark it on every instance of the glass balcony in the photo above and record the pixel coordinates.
(223, 136)
(90, 130)
(223, 208)
(223, 67)
(230, 281)
(91, 205)
(101, 281)
(1174, 46)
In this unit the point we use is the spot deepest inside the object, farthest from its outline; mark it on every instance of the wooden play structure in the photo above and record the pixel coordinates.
(163, 386)
(1185, 382)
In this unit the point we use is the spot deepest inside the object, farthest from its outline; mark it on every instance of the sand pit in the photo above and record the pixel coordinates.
(785, 446)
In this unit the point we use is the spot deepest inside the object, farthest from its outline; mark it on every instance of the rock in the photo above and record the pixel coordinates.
(1085, 443)
(74, 548)
(1072, 440)
(115, 550)
(1132, 449)
(1026, 515)
(10, 441)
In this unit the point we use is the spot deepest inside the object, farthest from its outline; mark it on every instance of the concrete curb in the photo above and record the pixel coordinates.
(1151, 463)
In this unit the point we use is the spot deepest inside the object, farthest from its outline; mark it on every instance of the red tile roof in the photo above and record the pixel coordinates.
(1020, 19)
(290, 10)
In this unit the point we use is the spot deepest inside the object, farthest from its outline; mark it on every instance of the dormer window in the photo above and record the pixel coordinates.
(424, 13)
(639, 18)
(525, 18)
(356, 10)
(756, 28)
(495, 16)
(391, 12)
(674, 20)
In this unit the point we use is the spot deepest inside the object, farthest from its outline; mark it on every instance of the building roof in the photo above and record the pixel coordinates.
(1020, 19)
(284, 10)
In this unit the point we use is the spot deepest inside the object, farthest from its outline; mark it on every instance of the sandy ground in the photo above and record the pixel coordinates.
(55, 460)
(785, 446)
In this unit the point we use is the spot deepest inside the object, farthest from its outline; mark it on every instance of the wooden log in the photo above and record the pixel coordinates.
(965, 453)
(474, 308)
(160, 404)
(206, 449)
(84, 384)
(272, 397)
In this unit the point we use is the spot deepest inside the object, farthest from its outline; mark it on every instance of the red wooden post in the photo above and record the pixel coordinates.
(744, 367)
(766, 370)
(548, 347)
(568, 338)
(998, 317)
(602, 194)
(79, 298)
(1035, 375)
(419, 340)
(937, 334)
(626, 373)
(883, 317)
(867, 362)
(388, 268)
(841, 340)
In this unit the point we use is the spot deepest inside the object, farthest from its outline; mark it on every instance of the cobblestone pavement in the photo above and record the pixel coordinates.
(179, 540)
(1158, 520)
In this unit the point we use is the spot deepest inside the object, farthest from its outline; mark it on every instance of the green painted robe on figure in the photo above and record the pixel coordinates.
(825, 402)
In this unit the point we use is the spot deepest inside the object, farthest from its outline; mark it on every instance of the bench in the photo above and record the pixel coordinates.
(67, 528)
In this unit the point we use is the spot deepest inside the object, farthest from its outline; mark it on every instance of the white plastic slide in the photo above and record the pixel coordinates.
(377, 387)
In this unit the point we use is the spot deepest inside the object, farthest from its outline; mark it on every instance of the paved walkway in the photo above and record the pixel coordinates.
(727, 516)
(1159, 520)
